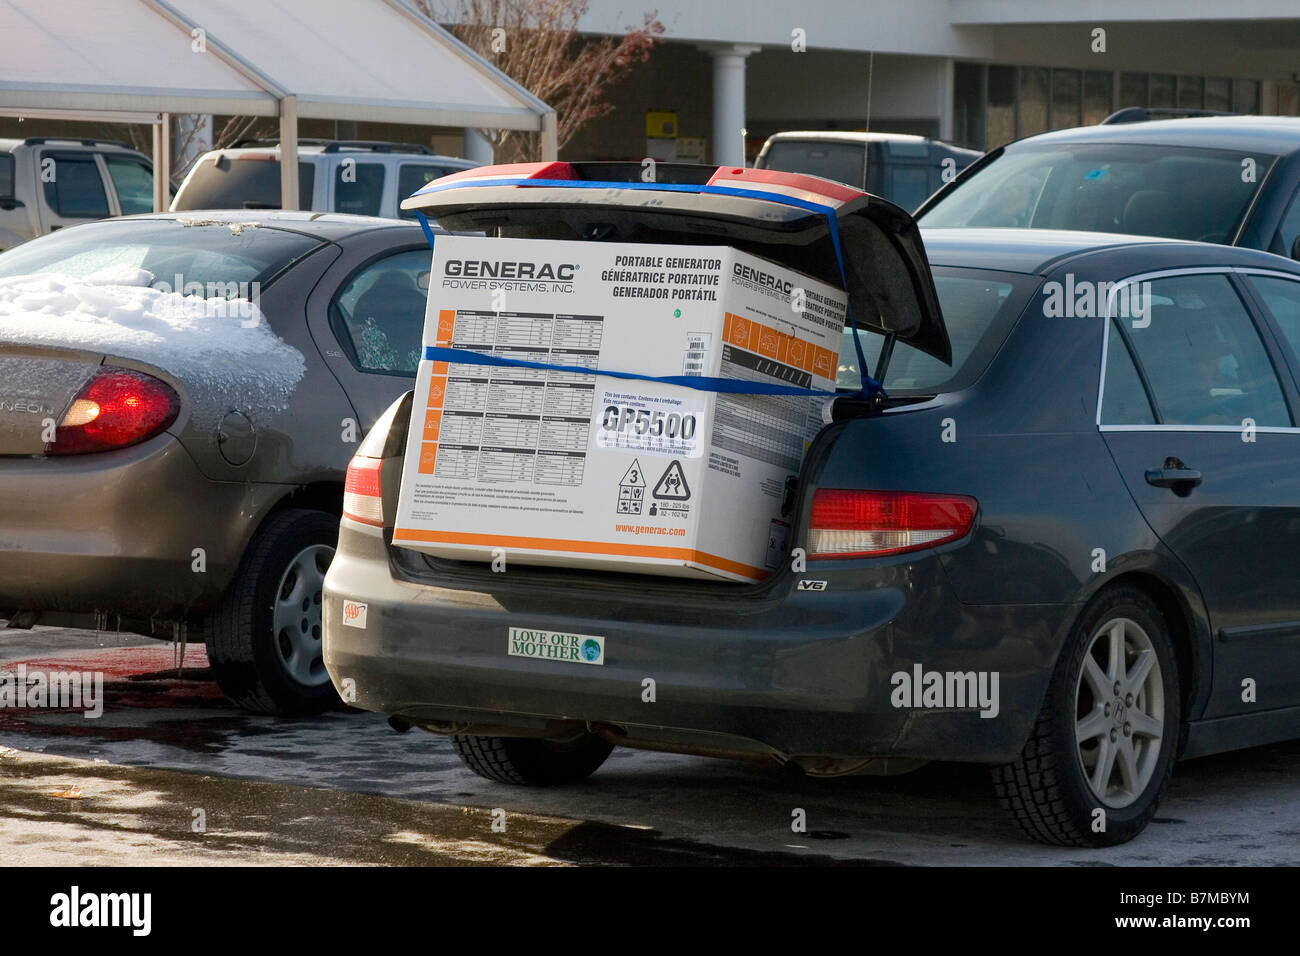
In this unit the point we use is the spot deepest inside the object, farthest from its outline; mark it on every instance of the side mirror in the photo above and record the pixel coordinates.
(10, 203)
(1295, 249)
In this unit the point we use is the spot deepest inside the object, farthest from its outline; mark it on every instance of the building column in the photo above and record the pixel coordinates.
(947, 97)
(478, 148)
(727, 148)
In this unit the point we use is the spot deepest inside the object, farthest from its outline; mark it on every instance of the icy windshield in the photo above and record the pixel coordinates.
(1167, 191)
(211, 254)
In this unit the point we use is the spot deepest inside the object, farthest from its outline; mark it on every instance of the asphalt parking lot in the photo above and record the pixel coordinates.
(171, 773)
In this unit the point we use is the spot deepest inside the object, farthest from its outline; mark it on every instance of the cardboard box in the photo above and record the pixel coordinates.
(561, 468)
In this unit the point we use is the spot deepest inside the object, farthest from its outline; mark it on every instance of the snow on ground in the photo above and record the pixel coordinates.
(222, 350)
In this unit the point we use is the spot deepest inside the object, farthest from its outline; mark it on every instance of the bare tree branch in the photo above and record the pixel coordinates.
(537, 43)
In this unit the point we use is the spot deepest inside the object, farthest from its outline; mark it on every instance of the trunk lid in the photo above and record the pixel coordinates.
(36, 387)
(874, 251)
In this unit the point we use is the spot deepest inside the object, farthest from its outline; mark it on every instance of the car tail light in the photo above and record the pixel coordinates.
(117, 407)
(857, 524)
(362, 495)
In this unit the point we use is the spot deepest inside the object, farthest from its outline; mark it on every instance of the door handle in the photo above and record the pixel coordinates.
(1174, 474)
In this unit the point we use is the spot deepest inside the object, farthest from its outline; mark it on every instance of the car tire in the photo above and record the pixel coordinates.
(530, 762)
(1098, 761)
(263, 639)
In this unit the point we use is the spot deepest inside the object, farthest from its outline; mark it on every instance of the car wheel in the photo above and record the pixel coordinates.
(264, 638)
(531, 762)
(1101, 753)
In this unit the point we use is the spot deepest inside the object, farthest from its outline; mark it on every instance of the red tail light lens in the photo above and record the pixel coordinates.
(857, 524)
(116, 408)
(362, 494)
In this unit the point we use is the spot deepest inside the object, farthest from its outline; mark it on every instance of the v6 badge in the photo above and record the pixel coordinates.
(806, 585)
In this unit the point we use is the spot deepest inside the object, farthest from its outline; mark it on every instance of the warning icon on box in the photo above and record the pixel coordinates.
(631, 490)
(672, 486)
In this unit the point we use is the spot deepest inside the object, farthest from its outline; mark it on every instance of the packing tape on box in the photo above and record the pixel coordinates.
(702, 383)
(869, 385)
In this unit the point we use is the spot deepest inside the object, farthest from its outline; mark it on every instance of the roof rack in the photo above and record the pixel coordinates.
(376, 146)
(338, 145)
(1140, 114)
(41, 140)
(253, 141)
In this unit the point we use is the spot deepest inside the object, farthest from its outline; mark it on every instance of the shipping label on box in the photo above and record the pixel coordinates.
(558, 466)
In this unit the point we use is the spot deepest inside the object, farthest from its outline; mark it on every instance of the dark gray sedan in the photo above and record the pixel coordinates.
(179, 397)
(1068, 554)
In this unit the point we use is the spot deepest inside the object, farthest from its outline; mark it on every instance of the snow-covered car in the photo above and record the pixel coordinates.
(179, 398)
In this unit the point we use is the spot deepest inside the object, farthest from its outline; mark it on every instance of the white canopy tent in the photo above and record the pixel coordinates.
(138, 61)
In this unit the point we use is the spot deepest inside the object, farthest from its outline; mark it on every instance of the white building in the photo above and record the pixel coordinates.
(979, 72)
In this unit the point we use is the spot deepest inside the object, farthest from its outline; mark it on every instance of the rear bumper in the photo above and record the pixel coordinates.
(790, 672)
(116, 532)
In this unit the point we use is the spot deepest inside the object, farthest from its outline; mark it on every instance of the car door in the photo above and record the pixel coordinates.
(369, 325)
(1200, 424)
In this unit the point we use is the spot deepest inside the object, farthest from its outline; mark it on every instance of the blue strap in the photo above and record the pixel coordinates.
(701, 383)
(424, 224)
(869, 385)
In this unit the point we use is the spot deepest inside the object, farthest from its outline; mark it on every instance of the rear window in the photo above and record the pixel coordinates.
(841, 162)
(175, 254)
(227, 182)
(1166, 191)
(979, 309)
(412, 177)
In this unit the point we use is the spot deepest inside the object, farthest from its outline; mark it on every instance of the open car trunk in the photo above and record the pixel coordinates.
(854, 241)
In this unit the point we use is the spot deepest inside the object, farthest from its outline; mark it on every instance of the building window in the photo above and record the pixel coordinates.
(1067, 97)
(968, 104)
(1132, 90)
(1161, 91)
(1191, 92)
(1096, 96)
(1000, 120)
(1033, 101)
(1245, 96)
(1218, 93)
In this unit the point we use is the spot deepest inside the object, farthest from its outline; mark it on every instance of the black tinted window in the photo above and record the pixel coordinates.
(223, 182)
(6, 174)
(412, 177)
(73, 187)
(1202, 355)
(1282, 296)
(358, 187)
(1123, 399)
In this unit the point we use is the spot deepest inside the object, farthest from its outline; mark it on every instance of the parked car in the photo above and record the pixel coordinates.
(176, 473)
(354, 177)
(1062, 545)
(1228, 179)
(49, 182)
(902, 168)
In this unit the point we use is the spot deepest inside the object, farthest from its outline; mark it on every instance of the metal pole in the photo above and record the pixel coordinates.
(289, 152)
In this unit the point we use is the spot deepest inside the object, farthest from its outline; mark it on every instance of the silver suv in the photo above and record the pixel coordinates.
(48, 182)
(361, 177)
